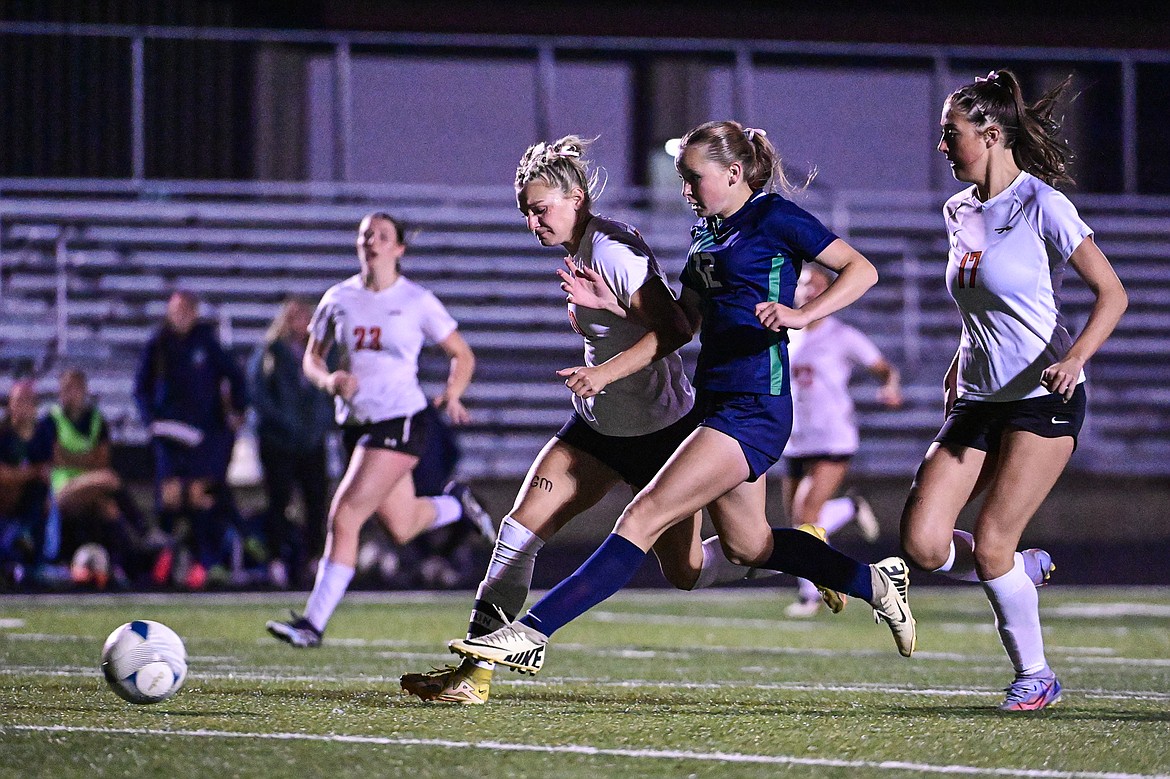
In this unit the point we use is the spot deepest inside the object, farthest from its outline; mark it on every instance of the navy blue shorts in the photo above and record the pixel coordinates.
(635, 458)
(799, 466)
(408, 435)
(760, 423)
(980, 424)
(208, 460)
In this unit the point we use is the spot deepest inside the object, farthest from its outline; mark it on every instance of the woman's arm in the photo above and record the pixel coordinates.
(340, 383)
(667, 329)
(855, 274)
(1111, 301)
(890, 393)
(458, 377)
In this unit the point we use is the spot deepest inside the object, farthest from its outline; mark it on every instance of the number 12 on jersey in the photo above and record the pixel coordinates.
(971, 258)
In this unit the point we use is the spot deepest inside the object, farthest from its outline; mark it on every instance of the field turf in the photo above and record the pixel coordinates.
(651, 683)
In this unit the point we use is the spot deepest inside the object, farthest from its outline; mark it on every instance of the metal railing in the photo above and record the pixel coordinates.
(545, 52)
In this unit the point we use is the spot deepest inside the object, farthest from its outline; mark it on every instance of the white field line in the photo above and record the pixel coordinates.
(231, 674)
(581, 749)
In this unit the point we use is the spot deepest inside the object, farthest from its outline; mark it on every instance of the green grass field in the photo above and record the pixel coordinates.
(654, 683)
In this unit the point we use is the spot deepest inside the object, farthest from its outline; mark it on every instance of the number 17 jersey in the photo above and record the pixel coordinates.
(1005, 268)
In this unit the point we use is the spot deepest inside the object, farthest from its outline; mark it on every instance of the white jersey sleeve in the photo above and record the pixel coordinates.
(659, 394)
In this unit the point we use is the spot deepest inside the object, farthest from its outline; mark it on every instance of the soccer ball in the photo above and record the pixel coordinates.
(144, 661)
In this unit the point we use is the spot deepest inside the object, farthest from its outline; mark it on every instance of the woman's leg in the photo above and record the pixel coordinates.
(562, 482)
(1029, 466)
(708, 464)
(948, 478)
(371, 476)
(810, 498)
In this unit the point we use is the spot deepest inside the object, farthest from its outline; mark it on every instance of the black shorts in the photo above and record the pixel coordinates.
(979, 424)
(635, 458)
(799, 466)
(408, 435)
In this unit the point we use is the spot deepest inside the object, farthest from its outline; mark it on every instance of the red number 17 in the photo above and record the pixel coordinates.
(973, 258)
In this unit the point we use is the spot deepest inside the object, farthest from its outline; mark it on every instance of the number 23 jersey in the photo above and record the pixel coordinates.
(1005, 268)
(379, 336)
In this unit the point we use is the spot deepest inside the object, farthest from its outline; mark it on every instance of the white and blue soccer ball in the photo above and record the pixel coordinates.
(144, 661)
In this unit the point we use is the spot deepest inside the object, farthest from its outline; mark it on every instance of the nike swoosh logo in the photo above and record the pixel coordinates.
(1056, 421)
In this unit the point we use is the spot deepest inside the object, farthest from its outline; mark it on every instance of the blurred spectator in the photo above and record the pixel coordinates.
(191, 396)
(92, 503)
(293, 419)
(24, 487)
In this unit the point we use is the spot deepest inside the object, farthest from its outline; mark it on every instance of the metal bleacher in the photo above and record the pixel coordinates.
(84, 279)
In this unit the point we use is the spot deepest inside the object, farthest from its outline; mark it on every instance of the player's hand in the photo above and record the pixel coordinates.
(342, 384)
(1061, 378)
(890, 397)
(584, 382)
(456, 411)
(778, 317)
(586, 288)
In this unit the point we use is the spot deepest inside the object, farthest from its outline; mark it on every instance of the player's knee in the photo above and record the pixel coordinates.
(923, 554)
(992, 555)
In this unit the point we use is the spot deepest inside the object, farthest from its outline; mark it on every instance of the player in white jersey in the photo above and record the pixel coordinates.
(824, 435)
(379, 321)
(632, 405)
(1014, 393)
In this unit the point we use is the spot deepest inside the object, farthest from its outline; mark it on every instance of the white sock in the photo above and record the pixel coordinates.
(717, 569)
(1017, 617)
(447, 510)
(509, 574)
(332, 581)
(807, 591)
(836, 514)
(960, 562)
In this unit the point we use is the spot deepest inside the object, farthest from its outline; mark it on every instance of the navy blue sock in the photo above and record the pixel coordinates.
(605, 572)
(802, 554)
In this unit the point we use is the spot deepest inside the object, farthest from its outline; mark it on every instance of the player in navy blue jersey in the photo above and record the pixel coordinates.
(1014, 393)
(747, 250)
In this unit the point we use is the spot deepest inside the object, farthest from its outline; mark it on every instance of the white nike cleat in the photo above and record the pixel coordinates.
(515, 645)
(891, 585)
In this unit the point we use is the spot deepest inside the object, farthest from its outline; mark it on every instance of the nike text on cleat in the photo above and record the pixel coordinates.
(1038, 565)
(1031, 693)
(515, 645)
(864, 517)
(834, 600)
(891, 584)
(298, 631)
(473, 512)
(468, 684)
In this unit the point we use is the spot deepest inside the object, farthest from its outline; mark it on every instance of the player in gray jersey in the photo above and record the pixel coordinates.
(379, 321)
(1014, 393)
